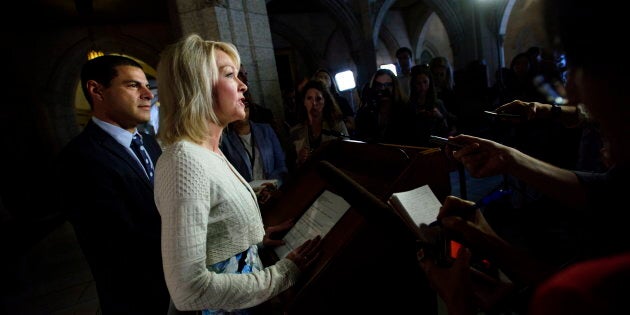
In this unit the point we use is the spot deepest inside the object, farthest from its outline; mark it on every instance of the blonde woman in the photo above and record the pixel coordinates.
(211, 223)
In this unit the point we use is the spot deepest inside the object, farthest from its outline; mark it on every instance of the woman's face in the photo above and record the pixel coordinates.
(229, 89)
(383, 82)
(422, 83)
(383, 87)
(314, 102)
(439, 74)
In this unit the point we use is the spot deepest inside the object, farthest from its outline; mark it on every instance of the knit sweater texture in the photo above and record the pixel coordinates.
(209, 213)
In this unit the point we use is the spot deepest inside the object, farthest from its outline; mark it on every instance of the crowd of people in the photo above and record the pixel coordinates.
(592, 281)
(171, 223)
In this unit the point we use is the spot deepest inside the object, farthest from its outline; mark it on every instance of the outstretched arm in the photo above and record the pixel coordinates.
(482, 158)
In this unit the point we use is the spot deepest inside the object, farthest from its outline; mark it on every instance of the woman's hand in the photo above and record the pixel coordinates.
(271, 232)
(306, 254)
(266, 192)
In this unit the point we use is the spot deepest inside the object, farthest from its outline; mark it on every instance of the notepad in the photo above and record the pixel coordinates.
(416, 206)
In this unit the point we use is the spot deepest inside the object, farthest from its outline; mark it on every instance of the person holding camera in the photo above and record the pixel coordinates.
(380, 119)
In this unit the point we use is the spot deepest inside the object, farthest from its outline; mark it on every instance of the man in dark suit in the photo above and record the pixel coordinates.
(107, 193)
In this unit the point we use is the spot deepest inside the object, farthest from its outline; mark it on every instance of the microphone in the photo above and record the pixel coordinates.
(334, 133)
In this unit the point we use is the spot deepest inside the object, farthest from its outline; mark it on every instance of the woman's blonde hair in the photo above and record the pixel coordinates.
(187, 73)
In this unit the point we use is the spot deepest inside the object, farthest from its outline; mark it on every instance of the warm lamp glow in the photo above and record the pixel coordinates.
(93, 54)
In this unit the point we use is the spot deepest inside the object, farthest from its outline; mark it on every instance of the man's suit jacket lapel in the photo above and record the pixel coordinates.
(108, 143)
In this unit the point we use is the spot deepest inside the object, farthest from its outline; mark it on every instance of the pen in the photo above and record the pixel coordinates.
(444, 141)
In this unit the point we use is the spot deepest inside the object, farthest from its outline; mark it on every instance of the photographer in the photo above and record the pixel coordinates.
(381, 117)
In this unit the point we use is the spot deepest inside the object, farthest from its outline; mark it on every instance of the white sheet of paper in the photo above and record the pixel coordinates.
(421, 204)
(320, 217)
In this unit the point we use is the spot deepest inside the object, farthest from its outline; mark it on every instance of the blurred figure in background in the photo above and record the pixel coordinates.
(257, 113)
(384, 113)
(321, 120)
(346, 110)
(404, 57)
(430, 117)
(445, 88)
(255, 151)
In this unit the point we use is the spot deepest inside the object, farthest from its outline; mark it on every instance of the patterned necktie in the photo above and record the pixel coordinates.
(138, 148)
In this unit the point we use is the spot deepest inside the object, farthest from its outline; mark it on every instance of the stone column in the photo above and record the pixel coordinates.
(245, 24)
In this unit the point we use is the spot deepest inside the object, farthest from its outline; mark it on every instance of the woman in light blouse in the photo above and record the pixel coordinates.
(211, 223)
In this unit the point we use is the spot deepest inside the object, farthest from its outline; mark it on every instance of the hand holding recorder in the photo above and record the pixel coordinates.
(461, 280)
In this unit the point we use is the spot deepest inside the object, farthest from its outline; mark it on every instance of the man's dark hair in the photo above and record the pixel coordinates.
(103, 70)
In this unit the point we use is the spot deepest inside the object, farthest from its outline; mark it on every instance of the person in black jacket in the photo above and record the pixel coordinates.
(107, 194)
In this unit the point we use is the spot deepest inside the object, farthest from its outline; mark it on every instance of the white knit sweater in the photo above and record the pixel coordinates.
(210, 213)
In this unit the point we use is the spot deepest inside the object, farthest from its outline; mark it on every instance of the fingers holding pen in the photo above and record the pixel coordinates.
(482, 157)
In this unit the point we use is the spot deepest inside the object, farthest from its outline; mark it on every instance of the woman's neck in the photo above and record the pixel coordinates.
(421, 98)
(315, 124)
(212, 141)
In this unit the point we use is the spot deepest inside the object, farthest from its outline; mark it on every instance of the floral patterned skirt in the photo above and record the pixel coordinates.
(245, 262)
